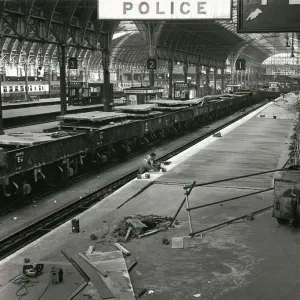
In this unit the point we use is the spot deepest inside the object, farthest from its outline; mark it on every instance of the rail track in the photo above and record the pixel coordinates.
(38, 228)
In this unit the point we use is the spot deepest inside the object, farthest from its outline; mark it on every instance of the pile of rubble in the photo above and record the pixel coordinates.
(139, 226)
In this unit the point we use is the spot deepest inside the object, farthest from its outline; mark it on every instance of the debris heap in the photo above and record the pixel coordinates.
(135, 226)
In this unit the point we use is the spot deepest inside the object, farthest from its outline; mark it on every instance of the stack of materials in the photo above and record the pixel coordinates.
(19, 139)
(169, 105)
(139, 111)
(91, 120)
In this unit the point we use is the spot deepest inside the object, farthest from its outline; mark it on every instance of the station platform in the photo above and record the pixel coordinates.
(23, 116)
(24, 104)
(239, 261)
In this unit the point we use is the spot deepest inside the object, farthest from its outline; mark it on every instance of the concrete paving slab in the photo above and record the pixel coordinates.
(252, 147)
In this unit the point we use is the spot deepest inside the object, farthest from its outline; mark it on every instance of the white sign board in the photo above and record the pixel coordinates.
(132, 99)
(164, 9)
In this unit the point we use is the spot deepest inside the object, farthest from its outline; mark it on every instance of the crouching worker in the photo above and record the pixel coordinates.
(149, 164)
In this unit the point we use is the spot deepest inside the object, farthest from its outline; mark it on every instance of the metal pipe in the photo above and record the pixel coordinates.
(230, 199)
(189, 213)
(239, 177)
(230, 221)
(182, 203)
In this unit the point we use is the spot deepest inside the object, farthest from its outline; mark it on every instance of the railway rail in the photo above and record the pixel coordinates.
(38, 228)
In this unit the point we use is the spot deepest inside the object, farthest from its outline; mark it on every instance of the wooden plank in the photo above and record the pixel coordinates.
(151, 232)
(90, 250)
(103, 273)
(136, 223)
(125, 251)
(177, 242)
(118, 279)
(127, 234)
(98, 280)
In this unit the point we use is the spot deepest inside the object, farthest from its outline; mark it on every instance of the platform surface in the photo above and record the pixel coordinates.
(31, 111)
(240, 261)
(30, 103)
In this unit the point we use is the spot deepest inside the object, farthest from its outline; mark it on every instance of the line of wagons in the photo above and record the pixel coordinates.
(28, 160)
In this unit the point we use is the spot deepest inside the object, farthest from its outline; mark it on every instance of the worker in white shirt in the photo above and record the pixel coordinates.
(149, 164)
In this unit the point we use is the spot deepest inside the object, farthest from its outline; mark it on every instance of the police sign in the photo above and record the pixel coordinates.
(164, 9)
(268, 16)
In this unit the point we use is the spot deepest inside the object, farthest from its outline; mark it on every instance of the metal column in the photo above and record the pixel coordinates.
(207, 79)
(185, 71)
(170, 68)
(49, 79)
(107, 97)
(26, 80)
(142, 77)
(132, 78)
(63, 98)
(249, 75)
(215, 80)
(86, 76)
(198, 78)
(1, 114)
(222, 80)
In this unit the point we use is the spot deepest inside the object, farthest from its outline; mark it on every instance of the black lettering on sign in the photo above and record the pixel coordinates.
(127, 6)
(144, 8)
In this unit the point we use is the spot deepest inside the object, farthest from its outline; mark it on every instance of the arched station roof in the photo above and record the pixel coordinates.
(30, 30)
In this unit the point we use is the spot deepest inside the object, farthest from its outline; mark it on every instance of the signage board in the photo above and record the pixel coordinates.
(73, 63)
(164, 10)
(143, 91)
(258, 16)
(240, 65)
(181, 91)
(151, 64)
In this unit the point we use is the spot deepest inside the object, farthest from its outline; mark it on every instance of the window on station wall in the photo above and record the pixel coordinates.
(40, 88)
(16, 88)
(22, 88)
(30, 88)
(35, 88)
(5, 89)
(11, 89)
